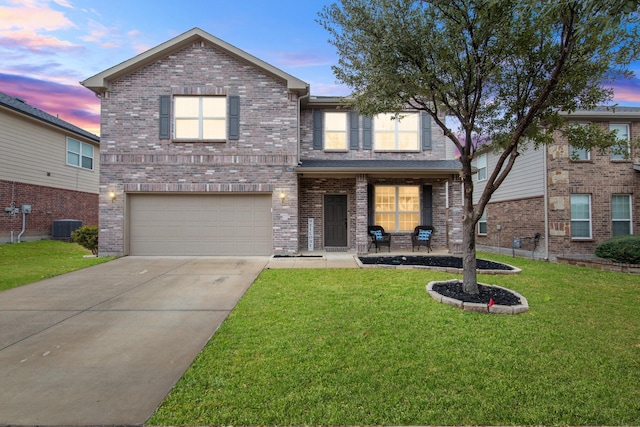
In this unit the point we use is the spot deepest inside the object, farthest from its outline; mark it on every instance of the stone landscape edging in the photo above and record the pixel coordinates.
(478, 307)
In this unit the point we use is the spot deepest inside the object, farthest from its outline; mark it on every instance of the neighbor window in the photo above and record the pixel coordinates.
(481, 164)
(200, 117)
(580, 216)
(482, 224)
(578, 154)
(335, 131)
(396, 133)
(622, 150)
(621, 214)
(79, 154)
(397, 208)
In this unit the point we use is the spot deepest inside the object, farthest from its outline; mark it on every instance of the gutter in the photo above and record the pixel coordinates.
(300, 98)
(546, 203)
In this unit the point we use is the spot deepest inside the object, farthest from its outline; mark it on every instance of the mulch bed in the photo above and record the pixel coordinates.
(432, 261)
(454, 290)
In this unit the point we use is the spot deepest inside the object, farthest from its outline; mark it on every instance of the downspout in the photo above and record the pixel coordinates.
(546, 203)
(24, 224)
(300, 98)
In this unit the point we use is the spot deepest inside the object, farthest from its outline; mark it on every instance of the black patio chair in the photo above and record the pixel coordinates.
(421, 236)
(378, 237)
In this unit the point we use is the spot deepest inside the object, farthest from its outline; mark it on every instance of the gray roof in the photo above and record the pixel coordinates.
(385, 166)
(21, 106)
(603, 112)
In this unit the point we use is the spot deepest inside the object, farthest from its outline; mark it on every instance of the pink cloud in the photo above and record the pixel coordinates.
(71, 103)
(627, 92)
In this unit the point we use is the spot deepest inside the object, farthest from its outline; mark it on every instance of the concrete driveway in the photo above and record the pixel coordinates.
(104, 345)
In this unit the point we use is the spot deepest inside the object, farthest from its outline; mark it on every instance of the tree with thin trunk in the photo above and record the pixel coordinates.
(505, 70)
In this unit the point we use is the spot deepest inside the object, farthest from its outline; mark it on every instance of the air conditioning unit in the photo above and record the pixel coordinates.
(62, 228)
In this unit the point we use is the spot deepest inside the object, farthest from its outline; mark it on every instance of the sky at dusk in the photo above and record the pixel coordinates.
(48, 46)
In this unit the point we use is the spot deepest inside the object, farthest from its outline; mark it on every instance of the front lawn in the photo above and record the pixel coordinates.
(370, 347)
(28, 262)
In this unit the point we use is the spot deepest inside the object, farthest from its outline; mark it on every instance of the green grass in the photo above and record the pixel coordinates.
(28, 262)
(370, 347)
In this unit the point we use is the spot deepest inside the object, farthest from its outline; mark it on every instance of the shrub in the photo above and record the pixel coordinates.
(87, 237)
(623, 249)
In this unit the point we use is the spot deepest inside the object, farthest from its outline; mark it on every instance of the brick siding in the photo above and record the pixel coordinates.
(47, 204)
(133, 158)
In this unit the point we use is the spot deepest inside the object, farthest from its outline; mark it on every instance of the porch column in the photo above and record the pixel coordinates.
(362, 240)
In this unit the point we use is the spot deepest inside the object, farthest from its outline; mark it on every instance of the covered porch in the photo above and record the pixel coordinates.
(339, 199)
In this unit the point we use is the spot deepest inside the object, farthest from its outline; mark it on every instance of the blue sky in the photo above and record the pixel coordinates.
(48, 46)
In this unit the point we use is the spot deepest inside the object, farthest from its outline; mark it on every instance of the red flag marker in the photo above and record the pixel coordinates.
(491, 302)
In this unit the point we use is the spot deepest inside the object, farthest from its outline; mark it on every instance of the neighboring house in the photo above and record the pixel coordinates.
(575, 199)
(208, 150)
(47, 164)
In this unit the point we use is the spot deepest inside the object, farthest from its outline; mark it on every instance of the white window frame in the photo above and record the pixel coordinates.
(579, 154)
(85, 151)
(614, 217)
(336, 130)
(397, 213)
(623, 137)
(481, 165)
(574, 218)
(397, 131)
(482, 222)
(201, 118)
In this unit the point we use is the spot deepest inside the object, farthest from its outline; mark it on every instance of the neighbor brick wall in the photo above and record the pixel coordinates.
(47, 204)
(518, 219)
(601, 178)
(133, 158)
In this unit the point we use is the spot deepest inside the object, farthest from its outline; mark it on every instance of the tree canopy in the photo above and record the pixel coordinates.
(506, 70)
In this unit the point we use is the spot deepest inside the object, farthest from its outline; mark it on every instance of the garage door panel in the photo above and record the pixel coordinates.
(166, 224)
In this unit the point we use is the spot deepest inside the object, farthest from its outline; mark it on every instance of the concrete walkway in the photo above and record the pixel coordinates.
(104, 345)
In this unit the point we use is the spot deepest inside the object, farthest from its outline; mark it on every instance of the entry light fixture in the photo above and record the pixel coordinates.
(282, 196)
(112, 196)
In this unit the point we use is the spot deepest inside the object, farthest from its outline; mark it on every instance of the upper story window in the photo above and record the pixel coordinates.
(396, 133)
(481, 164)
(79, 154)
(335, 131)
(200, 117)
(579, 154)
(623, 149)
(581, 216)
(397, 208)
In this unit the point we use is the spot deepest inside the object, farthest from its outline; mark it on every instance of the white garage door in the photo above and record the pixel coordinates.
(170, 224)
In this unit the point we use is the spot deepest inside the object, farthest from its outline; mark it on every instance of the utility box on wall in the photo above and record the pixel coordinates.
(62, 228)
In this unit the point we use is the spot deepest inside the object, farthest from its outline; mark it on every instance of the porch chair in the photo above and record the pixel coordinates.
(421, 236)
(378, 237)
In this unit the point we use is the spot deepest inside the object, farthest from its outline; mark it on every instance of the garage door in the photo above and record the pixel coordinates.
(170, 224)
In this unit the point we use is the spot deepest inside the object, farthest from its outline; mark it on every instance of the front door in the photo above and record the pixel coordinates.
(335, 220)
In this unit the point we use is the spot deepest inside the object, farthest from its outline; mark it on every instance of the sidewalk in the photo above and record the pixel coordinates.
(324, 259)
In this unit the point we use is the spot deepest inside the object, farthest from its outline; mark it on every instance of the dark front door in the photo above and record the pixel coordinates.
(335, 220)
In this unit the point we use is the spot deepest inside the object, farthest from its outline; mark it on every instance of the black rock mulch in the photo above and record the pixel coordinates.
(453, 289)
(432, 261)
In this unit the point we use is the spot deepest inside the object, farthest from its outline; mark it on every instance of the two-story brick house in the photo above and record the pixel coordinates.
(574, 198)
(208, 150)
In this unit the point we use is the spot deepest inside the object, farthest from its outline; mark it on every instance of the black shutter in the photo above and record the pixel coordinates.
(234, 117)
(426, 131)
(317, 129)
(427, 205)
(165, 116)
(354, 130)
(366, 133)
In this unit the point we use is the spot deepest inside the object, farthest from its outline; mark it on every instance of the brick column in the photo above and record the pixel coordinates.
(362, 240)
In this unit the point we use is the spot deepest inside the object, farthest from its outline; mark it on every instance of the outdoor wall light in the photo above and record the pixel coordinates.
(112, 196)
(282, 196)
